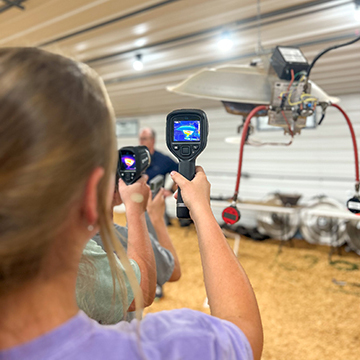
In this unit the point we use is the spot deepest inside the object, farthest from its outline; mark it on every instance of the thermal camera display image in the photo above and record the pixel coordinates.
(128, 162)
(186, 130)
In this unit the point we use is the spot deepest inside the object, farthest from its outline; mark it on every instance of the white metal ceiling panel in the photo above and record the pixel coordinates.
(178, 38)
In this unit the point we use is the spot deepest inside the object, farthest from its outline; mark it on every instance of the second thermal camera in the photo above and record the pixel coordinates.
(186, 138)
(156, 184)
(133, 161)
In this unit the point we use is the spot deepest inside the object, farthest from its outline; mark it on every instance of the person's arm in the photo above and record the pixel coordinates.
(139, 248)
(229, 291)
(156, 211)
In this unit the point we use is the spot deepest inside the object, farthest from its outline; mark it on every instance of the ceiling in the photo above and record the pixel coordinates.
(179, 37)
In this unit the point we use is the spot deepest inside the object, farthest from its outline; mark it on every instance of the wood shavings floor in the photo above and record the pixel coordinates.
(310, 309)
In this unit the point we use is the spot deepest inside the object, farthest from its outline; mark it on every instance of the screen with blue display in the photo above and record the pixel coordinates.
(186, 130)
(128, 162)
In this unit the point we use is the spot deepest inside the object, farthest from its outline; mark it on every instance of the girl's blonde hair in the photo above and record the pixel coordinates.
(56, 127)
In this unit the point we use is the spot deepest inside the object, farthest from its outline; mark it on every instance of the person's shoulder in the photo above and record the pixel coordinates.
(92, 248)
(164, 158)
(195, 335)
(159, 155)
(111, 342)
(81, 338)
(173, 334)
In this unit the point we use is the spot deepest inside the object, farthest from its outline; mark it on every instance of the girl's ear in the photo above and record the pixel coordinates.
(90, 200)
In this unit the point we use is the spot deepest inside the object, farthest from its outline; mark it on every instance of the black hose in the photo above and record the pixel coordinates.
(322, 118)
(328, 49)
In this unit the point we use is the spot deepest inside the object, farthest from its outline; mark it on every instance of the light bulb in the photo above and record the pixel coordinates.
(138, 64)
(225, 43)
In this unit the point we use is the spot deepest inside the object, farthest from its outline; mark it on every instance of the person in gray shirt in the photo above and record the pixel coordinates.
(166, 259)
(95, 288)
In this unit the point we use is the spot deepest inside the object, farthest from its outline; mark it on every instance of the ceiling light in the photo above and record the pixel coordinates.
(138, 64)
(225, 43)
(140, 42)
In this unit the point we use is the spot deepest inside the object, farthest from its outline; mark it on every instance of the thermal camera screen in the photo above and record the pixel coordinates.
(128, 161)
(186, 130)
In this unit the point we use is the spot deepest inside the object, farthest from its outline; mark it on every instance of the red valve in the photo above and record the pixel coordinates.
(231, 215)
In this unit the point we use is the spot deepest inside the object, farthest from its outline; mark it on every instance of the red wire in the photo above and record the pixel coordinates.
(287, 122)
(290, 83)
(292, 80)
(242, 143)
(353, 140)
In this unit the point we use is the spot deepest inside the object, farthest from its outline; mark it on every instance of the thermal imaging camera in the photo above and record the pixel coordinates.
(133, 161)
(156, 184)
(186, 138)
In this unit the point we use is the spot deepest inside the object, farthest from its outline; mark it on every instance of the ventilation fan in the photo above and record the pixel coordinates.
(353, 231)
(325, 230)
(279, 225)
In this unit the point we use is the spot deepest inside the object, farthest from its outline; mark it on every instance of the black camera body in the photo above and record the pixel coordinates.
(186, 138)
(133, 161)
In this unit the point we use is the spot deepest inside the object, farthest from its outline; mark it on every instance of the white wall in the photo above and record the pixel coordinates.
(320, 161)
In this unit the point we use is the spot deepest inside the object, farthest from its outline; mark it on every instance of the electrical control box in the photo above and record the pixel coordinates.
(285, 58)
(287, 99)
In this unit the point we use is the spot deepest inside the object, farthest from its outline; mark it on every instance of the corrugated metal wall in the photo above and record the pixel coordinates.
(320, 161)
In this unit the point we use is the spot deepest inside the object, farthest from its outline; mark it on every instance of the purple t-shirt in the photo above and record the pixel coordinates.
(176, 334)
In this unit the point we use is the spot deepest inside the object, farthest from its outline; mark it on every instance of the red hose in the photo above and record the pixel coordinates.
(353, 140)
(263, 107)
(242, 143)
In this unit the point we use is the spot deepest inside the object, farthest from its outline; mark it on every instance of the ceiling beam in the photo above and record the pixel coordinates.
(12, 3)
(251, 22)
(225, 60)
(117, 19)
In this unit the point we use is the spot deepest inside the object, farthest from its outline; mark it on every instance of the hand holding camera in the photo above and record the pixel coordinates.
(136, 195)
(195, 193)
(186, 138)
